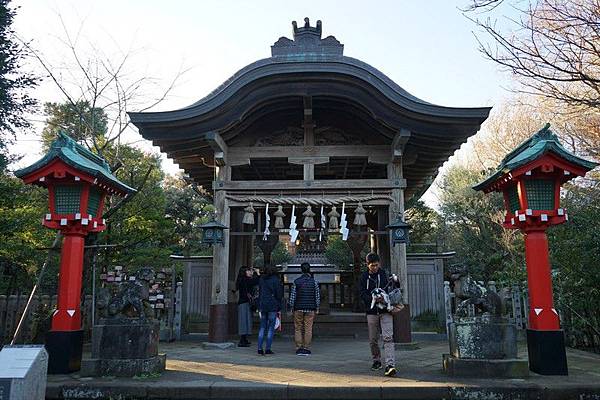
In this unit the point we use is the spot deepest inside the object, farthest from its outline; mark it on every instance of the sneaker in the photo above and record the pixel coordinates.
(299, 351)
(307, 352)
(242, 344)
(269, 351)
(376, 365)
(261, 352)
(390, 370)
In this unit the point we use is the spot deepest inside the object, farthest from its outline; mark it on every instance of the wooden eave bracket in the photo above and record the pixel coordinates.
(399, 143)
(216, 142)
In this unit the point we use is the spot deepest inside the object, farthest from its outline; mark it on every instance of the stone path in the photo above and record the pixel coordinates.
(338, 369)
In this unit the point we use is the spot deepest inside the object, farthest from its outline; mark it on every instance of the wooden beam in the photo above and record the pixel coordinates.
(410, 158)
(399, 143)
(308, 160)
(309, 137)
(174, 145)
(345, 168)
(362, 171)
(344, 184)
(187, 151)
(242, 155)
(216, 142)
(308, 110)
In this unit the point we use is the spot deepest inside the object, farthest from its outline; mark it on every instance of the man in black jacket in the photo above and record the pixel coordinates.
(378, 318)
(305, 299)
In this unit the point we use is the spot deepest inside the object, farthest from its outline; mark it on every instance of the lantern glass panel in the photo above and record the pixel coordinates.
(513, 198)
(94, 201)
(540, 194)
(67, 198)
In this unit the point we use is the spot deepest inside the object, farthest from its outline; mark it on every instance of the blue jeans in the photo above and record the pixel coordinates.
(267, 322)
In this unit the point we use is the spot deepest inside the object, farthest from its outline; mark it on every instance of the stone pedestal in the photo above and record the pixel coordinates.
(483, 339)
(483, 348)
(479, 368)
(23, 372)
(124, 347)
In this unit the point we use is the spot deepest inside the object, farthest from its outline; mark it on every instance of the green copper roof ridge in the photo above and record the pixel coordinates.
(528, 143)
(70, 142)
(77, 156)
(545, 141)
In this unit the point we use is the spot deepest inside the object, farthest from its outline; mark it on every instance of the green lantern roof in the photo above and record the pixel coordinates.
(78, 157)
(213, 224)
(540, 143)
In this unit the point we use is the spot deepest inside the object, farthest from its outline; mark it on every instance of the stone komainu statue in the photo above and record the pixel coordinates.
(131, 299)
(486, 302)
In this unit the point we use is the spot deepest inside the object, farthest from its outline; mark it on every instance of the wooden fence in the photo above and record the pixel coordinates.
(38, 318)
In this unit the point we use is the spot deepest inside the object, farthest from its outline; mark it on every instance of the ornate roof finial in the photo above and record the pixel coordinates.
(307, 29)
(307, 39)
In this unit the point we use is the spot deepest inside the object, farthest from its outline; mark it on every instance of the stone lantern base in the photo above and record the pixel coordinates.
(483, 347)
(124, 347)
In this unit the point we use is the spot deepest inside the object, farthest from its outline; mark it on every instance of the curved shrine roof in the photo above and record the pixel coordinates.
(315, 66)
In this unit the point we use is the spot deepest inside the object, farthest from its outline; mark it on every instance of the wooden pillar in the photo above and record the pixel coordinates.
(309, 137)
(402, 332)
(218, 321)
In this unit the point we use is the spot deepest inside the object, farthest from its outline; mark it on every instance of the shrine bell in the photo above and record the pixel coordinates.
(530, 178)
(78, 184)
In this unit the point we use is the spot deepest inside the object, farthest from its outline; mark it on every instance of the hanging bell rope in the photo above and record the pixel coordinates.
(308, 201)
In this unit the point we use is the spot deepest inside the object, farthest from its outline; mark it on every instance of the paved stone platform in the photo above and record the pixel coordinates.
(338, 369)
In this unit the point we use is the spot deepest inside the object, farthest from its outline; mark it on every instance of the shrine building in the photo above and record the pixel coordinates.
(310, 126)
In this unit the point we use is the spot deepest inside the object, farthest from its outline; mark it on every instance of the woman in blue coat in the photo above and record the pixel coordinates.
(270, 295)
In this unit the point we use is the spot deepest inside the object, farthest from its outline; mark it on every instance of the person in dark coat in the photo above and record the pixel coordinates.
(305, 299)
(270, 295)
(379, 319)
(246, 286)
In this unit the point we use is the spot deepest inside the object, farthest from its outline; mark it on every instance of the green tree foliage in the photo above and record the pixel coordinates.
(280, 255)
(21, 233)
(338, 253)
(473, 227)
(14, 100)
(426, 228)
(80, 121)
(187, 208)
(473, 219)
(140, 229)
(575, 251)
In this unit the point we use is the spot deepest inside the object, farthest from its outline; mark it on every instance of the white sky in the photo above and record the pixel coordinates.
(427, 47)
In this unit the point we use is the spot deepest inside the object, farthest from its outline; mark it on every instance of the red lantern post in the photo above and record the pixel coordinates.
(530, 178)
(78, 183)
